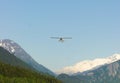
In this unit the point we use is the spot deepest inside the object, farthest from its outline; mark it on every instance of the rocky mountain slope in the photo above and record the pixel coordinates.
(9, 58)
(109, 73)
(20, 53)
(88, 65)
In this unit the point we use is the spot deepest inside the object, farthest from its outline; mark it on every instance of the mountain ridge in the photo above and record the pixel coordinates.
(8, 58)
(87, 65)
(109, 73)
(20, 53)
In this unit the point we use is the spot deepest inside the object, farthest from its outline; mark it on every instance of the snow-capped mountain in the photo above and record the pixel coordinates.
(15, 49)
(87, 65)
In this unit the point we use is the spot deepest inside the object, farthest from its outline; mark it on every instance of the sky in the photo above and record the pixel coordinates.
(94, 26)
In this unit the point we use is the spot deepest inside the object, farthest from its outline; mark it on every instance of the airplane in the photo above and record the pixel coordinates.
(61, 39)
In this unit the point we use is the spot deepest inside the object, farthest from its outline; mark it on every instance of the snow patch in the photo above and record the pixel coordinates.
(88, 65)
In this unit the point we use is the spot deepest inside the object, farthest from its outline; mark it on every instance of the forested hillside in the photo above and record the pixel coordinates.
(13, 74)
(13, 70)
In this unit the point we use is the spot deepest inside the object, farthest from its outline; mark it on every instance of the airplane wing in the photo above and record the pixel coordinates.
(55, 37)
(67, 37)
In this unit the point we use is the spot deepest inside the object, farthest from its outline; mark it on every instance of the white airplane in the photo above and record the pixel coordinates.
(61, 39)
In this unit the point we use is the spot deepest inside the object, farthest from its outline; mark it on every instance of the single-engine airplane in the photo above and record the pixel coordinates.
(61, 39)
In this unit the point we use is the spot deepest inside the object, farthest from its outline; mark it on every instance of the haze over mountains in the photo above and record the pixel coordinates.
(100, 70)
